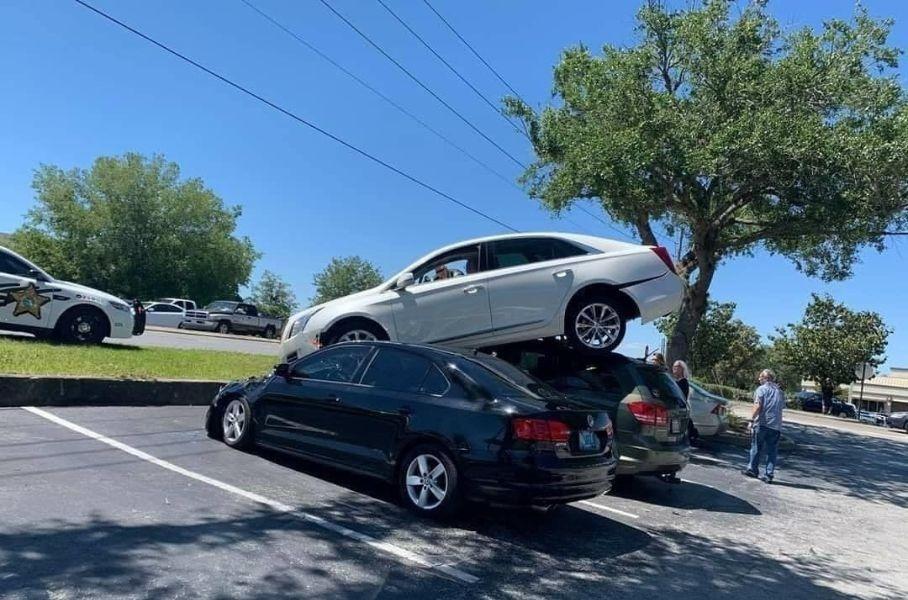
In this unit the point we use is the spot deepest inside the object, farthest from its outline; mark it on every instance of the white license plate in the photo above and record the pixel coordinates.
(588, 440)
(675, 426)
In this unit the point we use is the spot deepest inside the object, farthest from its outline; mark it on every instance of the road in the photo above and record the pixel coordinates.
(743, 410)
(139, 503)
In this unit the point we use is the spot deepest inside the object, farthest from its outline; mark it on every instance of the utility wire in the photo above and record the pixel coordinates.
(420, 83)
(452, 69)
(381, 95)
(473, 50)
(293, 116)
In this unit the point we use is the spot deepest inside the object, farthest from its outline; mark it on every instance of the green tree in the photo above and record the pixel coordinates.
(131, 226)
(829, 341)
(273, 296)
(724, 350)
(344, 276)
(719, 125)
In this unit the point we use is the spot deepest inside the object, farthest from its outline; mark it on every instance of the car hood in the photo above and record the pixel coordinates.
(337, 301)
(86, 292)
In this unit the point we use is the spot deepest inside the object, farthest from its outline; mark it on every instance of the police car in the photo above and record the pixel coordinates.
(34, 302)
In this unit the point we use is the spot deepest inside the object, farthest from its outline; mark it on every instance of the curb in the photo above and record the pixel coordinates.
(23, 390)
(226, 336)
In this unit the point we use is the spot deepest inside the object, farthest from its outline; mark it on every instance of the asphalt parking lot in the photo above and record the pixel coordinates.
(138, 503)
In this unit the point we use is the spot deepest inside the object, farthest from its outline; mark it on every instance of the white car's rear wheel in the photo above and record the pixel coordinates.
(595, 325)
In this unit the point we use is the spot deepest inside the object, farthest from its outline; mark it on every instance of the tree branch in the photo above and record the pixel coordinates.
(647, 236)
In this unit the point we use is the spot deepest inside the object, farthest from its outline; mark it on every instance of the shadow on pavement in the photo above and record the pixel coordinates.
(687, 495)
(871, 468)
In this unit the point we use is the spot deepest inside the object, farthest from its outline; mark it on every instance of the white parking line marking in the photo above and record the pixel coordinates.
(609, 509)
(391, 549)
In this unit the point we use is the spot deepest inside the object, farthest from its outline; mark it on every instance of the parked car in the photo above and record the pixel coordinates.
(898, 420)
(642, 400)
(843, 409)
(708, 412)
(34, 302)
(502, 289)
(809, 401)
(181, 302)
(225, 316)
(442, 426)
(874, 418)
(164, 314)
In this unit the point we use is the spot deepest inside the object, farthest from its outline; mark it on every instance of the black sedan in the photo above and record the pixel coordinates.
(443, 426)
(898, 420)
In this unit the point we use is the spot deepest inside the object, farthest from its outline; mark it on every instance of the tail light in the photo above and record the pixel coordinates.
(541, 430)
(663, 254)
(647, 413)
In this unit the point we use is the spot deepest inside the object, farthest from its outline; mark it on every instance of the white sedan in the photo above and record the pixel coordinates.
(502, 289)
(708, 412)
(164, 314)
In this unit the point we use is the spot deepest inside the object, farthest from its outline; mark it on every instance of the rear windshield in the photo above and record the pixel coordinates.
(503, 379)
(662, 386)
(222, 305)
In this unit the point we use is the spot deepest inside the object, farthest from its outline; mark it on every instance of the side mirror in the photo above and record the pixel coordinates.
(36, 274)
(282, 370)
(404, 281)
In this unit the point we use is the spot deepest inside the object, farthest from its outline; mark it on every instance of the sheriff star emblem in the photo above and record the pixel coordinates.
(28, 301)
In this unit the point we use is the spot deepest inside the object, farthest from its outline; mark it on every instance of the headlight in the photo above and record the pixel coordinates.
(300, 324)
(119, 306)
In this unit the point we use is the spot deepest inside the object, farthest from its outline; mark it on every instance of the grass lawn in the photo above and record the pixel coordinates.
(26, 356)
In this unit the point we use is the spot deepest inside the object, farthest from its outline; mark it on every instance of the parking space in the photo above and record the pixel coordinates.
(138, 502)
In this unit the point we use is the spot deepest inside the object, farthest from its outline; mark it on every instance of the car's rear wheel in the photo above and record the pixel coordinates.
(83, 326)
(428, 482)
(359, 330)
(236, 423)
(595, 325)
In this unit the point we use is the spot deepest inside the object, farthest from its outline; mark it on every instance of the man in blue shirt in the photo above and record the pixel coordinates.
(766, 424)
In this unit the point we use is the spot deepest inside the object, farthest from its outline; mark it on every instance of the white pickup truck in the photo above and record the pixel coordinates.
(225, 316)
(34, 302)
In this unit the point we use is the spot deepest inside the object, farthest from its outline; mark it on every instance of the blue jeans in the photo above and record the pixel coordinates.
(764, 440)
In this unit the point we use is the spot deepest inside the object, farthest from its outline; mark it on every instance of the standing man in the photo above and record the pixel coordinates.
(766, 426)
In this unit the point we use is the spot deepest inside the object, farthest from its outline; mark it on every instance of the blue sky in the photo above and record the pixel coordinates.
(76, 87)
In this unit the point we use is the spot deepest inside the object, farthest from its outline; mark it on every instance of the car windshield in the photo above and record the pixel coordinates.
(661, 385)
(222, 306)
(515, 377)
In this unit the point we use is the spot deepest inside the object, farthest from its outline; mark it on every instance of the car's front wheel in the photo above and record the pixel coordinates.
(356, 330)
(224, 327)
(429, 482)
(236, 423)
(83, 326)
(595, 325)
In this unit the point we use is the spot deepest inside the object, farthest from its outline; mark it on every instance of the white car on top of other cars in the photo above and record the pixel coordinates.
(502, 289)
(34, 302)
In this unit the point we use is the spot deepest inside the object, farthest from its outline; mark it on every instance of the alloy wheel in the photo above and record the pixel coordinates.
(357, 335)
(427, 481)
(234, 421)
(597, 325)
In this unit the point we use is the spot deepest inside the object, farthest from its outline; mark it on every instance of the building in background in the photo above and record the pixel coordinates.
(886, 393)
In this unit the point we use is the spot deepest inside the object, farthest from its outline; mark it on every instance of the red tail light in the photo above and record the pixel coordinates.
(541, 430)
(663, 254)
(646, 413)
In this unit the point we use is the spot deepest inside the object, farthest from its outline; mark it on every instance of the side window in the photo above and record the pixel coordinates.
(522, 251)
(403, 372)
(13, 266)
(455, 263)
(170, 308)
(435, 383)
(333, 364)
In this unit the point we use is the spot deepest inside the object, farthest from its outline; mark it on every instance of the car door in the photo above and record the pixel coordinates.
(448, 301)
(528, 280)
(164, 315)
(244, 318)
(303, 412)
(26, 300)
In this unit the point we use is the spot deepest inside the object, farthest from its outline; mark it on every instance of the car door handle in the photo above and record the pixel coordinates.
(562, 274)
(472, 289)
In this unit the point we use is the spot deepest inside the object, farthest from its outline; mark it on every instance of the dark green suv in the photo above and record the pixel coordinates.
(647, 409)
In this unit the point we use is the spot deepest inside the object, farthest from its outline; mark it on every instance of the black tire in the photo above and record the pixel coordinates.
(411, 494)
(180, 325)
(613, 321)
(224, 327)
(269, 332)
(83, 325)
(351, 327)
(228, 413)
(906, 427)
(693, 436)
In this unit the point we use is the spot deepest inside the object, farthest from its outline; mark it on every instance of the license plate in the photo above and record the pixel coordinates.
(675, 426)
(588, 441)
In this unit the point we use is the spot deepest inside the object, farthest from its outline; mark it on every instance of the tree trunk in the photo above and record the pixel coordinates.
(693, 306)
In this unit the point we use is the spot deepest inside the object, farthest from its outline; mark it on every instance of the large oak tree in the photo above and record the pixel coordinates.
(718, 124)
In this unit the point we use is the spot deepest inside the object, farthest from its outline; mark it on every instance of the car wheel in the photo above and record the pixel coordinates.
(180, 325)
(595, 325)
(236, 423)
(906, 427)
(269, 332)
(429, 482)
(355, 331)
(223, 327)
(83, 326)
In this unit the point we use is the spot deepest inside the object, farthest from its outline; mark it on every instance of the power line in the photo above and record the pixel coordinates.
(473, 50)
(293, 116)
(452, 69)
(381, 95)
(420, 83)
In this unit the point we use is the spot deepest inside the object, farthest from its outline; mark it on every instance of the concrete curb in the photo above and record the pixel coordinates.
(226, 336)
(23, 390)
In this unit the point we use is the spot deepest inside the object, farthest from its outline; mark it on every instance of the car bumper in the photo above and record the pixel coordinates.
(298, 346)
(199, 324)
(532, 485)
(638, 460)
(657, 297)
